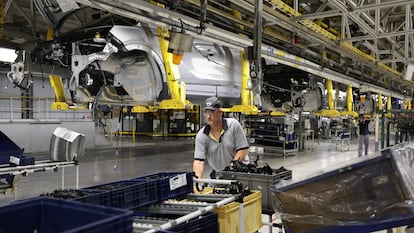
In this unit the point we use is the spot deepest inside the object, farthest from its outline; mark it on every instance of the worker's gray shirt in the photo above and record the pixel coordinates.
(220, 154)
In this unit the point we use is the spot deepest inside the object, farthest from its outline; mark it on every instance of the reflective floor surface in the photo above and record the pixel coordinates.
(148, 156)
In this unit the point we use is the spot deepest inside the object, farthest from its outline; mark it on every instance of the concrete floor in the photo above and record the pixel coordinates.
(147, 156)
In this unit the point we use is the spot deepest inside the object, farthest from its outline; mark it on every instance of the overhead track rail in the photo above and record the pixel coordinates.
(143, 11)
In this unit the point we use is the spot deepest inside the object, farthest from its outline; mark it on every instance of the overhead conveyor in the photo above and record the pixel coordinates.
(148, 13)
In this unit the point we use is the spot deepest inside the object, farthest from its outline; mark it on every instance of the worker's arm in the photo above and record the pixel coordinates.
(241, 155)
(198, 168)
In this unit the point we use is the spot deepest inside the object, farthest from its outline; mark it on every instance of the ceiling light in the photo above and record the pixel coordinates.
(7, 55)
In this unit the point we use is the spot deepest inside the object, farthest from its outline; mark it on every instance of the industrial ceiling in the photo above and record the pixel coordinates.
(367, 44)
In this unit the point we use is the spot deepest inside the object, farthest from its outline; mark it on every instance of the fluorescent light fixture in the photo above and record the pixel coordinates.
(7, 55)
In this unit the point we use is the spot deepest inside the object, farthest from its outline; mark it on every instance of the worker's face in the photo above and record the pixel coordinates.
(212, 116)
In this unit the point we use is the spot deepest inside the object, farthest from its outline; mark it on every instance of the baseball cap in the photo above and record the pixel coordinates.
(212, 103)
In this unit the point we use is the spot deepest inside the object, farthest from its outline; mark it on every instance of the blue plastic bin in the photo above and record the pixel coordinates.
(21, 160)
(50, 215)
(130, 194)
(171, 184)
(95, 197)
(8, 148)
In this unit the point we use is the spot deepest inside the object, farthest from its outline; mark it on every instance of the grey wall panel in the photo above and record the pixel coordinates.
(35, 136)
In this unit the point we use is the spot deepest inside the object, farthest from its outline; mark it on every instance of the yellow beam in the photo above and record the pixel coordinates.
(388, 103)
(59, 106)
(349, 99)
(246, 109)
(329, 88)
(60, 98)
(176, 88)
(349, 113)
(380, 102)
(57, 85)
(173, 75)
(277, 113)
(238, 15)
(50, 34)
(140, 109)
(245, 70)
(328, 113)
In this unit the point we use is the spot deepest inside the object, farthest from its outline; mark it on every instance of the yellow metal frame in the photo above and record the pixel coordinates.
(328, 113)
(349, 104)
(144, 109)
(380, 102)
(329, 88)
(60, 99)
(277, 113)
(59, 106)
(246, 109)
(177, 89)
(349, 113)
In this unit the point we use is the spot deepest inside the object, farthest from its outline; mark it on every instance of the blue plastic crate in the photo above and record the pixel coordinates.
(130, 194)
(21, 160)
(207, 223)
(51, 215)
(171, 184)
(95, 197)
(8, 148)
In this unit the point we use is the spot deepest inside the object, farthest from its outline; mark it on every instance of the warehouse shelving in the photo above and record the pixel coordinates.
(273, 134)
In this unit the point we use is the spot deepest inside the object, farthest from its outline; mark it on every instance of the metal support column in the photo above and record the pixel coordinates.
(349, 99)
(329, 88)
(376, 148)
(256, 65)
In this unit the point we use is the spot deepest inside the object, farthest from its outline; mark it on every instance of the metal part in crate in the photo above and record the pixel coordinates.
(56, 215)
(366, 196)
(260, 182)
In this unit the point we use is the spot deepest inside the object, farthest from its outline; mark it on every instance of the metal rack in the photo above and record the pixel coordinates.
(40, 166)
(272, 133)
(339, 138)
